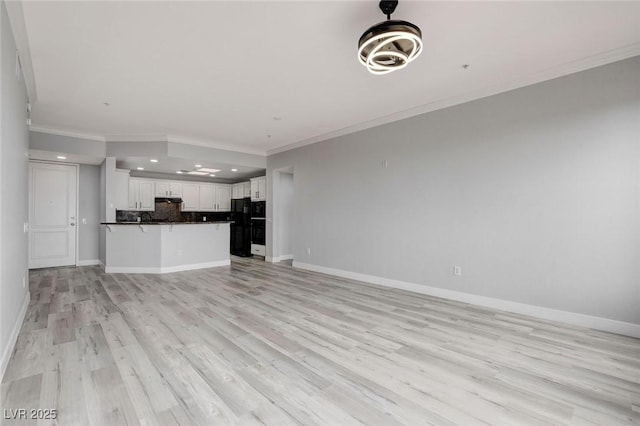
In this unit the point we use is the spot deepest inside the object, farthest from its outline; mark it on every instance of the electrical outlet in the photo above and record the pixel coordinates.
(25, 227)
(457, 271)
(84, 220)
(308, 251)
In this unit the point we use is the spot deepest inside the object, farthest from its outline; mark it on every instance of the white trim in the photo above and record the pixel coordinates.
(276, 259)
(70, 133)
(89, 262)
(19, 29)
(77, 210)
(544, 75)
(215, 145)
(163, 270)
(598, 323)
(148, 138)
(77, 219)
(13, 338)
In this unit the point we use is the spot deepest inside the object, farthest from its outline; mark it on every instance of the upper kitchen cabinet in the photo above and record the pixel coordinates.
(237, 191)
(241, 190)
(206, 197)
(141, 195)
(215, 197)
(190, 197)
(259, 188)
(122, 189)
(168, 188)
(223, 197)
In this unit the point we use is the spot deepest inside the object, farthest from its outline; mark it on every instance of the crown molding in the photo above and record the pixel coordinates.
(71, 134)
(182, 140)
(19, 30)
(215, 145)
(145, 138)
(583, 64)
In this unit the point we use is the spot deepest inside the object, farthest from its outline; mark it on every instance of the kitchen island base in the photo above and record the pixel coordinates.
(162, 248)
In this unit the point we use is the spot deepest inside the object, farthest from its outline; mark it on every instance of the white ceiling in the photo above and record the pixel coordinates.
(219, 72)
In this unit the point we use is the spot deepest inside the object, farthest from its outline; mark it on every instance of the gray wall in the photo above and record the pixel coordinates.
(67, 144)
(14, 147)
(89, 209)
(535, 193)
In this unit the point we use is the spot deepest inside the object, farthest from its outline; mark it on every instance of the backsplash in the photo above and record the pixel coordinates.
(169, 212)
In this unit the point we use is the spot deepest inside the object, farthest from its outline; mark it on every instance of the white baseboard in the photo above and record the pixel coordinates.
(90, 262)
(276, 259)
(164, 270)
(13, 338)
(598, 323)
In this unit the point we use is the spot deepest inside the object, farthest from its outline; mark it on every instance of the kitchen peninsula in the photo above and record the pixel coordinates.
(161, 247)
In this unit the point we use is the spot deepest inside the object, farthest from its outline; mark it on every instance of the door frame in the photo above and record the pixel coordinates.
(76, 166)
(273, 244)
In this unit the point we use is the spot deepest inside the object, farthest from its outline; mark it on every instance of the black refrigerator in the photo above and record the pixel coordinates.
(241, 227)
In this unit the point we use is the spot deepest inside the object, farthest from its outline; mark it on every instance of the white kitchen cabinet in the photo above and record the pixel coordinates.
(122, 189)
(141, 195)
(241, 190)
(162, 188)
(207, 197)
(190, 197)
(175, 189)
(237, 191)
(259, 188)
(168, 188)
(223, 198)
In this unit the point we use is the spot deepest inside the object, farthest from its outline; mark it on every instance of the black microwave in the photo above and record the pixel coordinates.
(258, 209)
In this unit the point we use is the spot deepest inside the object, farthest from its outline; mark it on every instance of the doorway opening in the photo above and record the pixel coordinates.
(283, 215)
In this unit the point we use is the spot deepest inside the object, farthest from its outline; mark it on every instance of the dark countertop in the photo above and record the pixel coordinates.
(209, 222)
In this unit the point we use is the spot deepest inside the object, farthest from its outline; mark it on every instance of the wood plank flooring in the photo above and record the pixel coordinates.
(257, 343)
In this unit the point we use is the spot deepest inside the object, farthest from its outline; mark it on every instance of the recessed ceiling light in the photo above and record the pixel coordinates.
(197, 173)
(179, 172)
(198, 166)
(234, 170)
(212, 175)
(140, 168)
(206, 170)
(61, 157)
(153, 160)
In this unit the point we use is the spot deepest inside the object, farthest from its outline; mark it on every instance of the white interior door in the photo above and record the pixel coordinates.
(52, 215)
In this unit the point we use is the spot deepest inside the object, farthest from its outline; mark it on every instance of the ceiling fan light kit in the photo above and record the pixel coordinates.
(389, 45)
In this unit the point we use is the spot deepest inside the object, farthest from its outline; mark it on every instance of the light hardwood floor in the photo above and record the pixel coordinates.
(256, 343)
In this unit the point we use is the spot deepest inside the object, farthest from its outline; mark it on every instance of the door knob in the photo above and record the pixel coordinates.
(73, 224)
